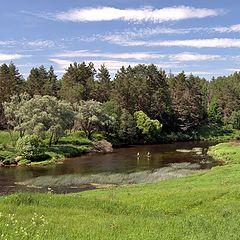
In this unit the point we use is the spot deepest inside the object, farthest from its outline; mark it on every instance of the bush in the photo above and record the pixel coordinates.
(9, 161)
(6, 154)
(29, 147)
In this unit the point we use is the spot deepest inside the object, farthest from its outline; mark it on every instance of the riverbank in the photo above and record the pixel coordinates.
(73, 145)
(229, 152)
(201, 206)
(76, 144)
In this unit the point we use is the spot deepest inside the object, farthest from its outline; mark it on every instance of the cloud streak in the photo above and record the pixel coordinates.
(194, 43)
(97, 54)
(8, 57)
(175, 13)
(232, 28)
(179, 57)
(186, 57)
(112, 65)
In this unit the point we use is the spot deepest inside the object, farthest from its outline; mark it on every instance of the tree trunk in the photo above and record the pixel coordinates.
(50, 140)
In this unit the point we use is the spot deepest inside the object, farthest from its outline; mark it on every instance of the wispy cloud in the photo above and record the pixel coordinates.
(199, 73)
(7, 43)
(112, 65)
(195, 43)
(63, 64)
(8, 57)
(187, 56)
(179, 57)
(232, 28)
(147, 14)
(233, 69)
(97, 54)
(41, 44)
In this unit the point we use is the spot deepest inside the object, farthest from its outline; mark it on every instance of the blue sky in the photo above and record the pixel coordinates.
(202, 37)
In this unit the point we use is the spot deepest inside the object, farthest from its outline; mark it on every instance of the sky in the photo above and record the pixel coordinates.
(199, 37)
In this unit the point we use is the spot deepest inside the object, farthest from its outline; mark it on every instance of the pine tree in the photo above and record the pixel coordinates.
(187, 101)
(103, 85)
(11, 83)
(78, 82)
(36, 81)
(51, 84)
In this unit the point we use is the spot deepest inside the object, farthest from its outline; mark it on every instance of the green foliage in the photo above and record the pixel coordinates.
(40, 115)
(77, 82)
(29, 147)
(149, 128)
(6, 155)
(235, 119)
(103, 85)
(67, 150)
(127, 127)
(8, 139)
(187, 101)
(216, 132)
(75, 138)
(214, 113)
(91, 117)
(143, 87)
(11, 83)
(180, 103)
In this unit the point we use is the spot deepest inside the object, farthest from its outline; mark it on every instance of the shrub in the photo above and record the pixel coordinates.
(29, 147)
(9, 161)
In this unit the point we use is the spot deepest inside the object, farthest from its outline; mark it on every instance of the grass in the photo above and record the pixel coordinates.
(201, 206)
(229, 152)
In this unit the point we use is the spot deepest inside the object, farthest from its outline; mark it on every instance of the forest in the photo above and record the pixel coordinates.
(140, 104)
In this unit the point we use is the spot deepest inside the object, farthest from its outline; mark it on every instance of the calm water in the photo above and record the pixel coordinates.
(122, 160)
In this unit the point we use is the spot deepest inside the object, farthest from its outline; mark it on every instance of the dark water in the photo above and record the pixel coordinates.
(122, 160)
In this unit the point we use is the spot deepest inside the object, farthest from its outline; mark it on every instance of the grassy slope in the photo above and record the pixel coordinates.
(202, 206)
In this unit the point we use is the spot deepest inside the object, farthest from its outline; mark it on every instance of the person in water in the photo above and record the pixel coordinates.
(148, 155)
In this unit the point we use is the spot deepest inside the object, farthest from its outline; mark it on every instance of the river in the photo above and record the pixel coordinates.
(134, 164)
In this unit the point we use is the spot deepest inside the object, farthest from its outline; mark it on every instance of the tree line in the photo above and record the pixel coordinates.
(138, 103)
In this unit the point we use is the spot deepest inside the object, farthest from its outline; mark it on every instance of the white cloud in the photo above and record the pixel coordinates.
(7, 57)
(187, 56)
(232, 28)
(233, 69)
(199, 73)
(61, 63)
(135, 15)
(112, 65)
(133, 55)
(197, 43)
(41, 43)
(6, 43)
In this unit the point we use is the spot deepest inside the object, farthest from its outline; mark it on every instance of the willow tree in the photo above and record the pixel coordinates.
(44, 116)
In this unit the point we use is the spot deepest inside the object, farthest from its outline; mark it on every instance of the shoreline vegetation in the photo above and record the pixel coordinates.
(194, 206)
(76, 144)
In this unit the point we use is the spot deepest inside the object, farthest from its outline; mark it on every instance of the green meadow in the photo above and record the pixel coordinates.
(205, 205)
